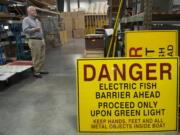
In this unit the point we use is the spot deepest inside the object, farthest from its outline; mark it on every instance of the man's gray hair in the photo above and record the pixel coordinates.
(30, 7)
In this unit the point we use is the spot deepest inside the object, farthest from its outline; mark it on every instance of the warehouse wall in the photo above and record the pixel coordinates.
(176, 2)
(74, 4)
(84, 4)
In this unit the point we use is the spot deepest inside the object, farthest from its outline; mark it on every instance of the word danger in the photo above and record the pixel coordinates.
(135, 71)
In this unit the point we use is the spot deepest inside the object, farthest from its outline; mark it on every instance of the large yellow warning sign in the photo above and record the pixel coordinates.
(127, 95)
(151, 43)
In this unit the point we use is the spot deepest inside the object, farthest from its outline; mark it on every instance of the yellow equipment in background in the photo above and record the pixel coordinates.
(115, 33)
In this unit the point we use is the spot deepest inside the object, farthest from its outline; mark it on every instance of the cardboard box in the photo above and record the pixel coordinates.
(63, 37)
(3, 14)
(78, 19)
(50, 2)
(78, 33)
(74, 24)
(67, 21)
(94, 42)
(50, 39)
(62, 26)
(74, 14)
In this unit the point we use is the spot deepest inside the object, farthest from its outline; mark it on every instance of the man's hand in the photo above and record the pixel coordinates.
(43, 41)
(36, 29)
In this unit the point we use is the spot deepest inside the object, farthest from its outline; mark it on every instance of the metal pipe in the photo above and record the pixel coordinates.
(78, 2)
(68, 5)
(48, 11)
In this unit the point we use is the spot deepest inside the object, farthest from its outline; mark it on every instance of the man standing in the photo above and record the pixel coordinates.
(32, 28)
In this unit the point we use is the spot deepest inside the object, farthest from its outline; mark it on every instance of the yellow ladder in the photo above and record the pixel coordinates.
(115, 33)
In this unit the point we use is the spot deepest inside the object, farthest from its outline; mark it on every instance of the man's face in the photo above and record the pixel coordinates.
(33, 12)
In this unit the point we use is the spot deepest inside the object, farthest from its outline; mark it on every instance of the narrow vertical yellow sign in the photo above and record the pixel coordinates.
(149, 44)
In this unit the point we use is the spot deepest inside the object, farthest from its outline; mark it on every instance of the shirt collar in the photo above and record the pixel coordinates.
(32, 17)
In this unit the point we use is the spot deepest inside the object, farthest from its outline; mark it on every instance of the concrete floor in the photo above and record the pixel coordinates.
(44, 106)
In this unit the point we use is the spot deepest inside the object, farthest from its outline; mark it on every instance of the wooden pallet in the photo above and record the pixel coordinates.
(94, 53)
(9, 70)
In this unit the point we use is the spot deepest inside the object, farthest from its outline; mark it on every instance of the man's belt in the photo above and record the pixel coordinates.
(35, 38)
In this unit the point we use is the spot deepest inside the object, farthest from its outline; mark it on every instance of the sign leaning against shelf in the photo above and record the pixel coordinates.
(127, 94)
(160, 43)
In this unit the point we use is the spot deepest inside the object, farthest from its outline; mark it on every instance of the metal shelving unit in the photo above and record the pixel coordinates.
(153, 18)
(93, 21)
(113, 9)
(5, 2)
(135, 18)
(149, 16)
(17, 40)
(146, 13)
(18, 7)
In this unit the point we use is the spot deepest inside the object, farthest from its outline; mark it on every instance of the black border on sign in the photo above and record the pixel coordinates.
(108, 59)
(177, 107)
(78, 122)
